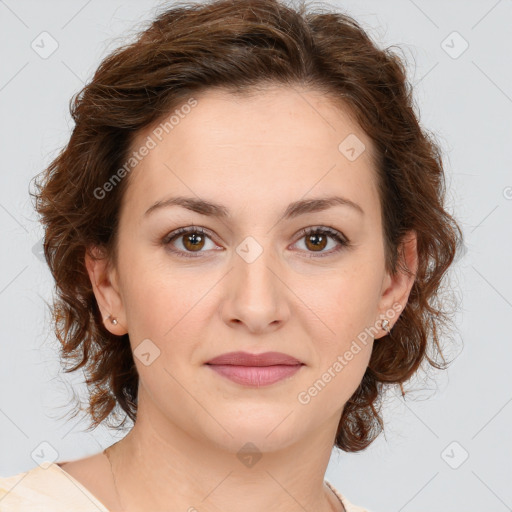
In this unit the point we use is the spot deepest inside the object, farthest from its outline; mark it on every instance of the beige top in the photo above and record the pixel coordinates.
(48, 488)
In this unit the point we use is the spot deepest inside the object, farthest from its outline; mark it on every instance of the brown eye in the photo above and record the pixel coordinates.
(316, 241)
(193, 241)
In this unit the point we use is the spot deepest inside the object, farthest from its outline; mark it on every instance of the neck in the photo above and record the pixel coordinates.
(158, 465)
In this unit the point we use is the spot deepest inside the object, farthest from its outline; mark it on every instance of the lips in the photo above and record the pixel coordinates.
(255, 370)
(247, 359)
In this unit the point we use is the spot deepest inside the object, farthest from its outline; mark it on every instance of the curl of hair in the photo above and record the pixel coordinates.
(242, 46)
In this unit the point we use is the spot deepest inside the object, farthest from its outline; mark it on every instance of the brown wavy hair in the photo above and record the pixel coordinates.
(241, 46)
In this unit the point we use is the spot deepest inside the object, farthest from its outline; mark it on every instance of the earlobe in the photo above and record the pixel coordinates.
(104, 284)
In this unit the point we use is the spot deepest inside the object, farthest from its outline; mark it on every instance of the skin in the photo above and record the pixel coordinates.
(254, 155)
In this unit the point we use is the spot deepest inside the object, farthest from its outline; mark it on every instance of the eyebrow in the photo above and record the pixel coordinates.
(293, 210)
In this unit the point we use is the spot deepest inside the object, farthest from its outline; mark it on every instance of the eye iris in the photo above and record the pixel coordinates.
(317, 245)
(193, 238)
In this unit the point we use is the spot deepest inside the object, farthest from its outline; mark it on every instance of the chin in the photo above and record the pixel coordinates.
(268, 433)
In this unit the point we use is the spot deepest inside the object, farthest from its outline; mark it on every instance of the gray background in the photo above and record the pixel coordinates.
(448, 446)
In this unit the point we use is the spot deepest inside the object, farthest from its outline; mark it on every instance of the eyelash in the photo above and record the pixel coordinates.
(333, 233)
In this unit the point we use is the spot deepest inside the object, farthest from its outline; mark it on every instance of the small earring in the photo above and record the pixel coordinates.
(385, 325)
(113, 320)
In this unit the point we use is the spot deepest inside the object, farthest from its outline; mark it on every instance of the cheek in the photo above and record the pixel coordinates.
(169, 309)
(348, 309)
(345, 309)
(161, 308)
(155, 295)
(345, 302)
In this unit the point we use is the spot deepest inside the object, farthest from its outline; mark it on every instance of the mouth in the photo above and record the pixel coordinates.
(255, 370)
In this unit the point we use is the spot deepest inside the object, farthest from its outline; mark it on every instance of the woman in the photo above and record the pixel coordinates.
(248, 237)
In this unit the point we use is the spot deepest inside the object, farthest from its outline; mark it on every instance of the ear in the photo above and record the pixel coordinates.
(397, 287)
(105, 286)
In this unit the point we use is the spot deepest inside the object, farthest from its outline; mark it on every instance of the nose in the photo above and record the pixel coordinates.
(256, 297)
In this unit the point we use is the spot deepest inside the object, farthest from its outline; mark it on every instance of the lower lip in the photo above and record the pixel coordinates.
(255, 375)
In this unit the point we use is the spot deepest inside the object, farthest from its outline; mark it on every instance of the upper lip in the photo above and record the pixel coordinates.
(248, 359)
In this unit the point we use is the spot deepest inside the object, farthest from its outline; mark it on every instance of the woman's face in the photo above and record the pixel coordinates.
(251, 281)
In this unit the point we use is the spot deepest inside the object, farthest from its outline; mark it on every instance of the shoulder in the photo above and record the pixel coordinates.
(349, 507)
(45, 488)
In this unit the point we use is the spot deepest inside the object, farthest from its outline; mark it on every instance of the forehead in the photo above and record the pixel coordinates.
(281, 143)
